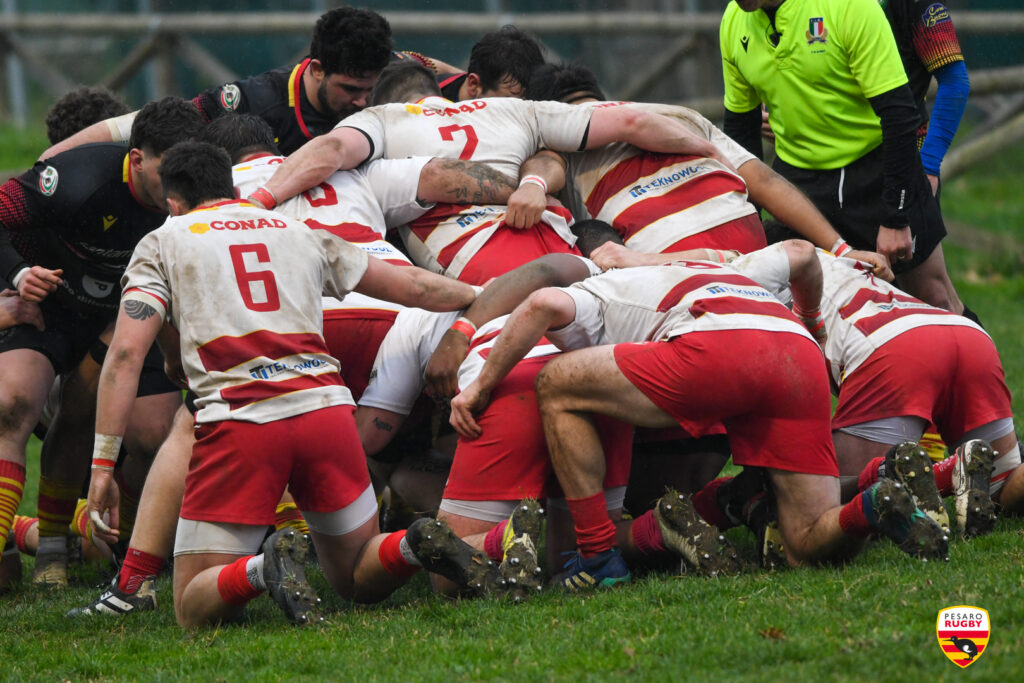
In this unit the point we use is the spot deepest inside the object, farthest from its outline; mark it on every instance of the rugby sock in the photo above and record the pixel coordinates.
(287, 515)
(56, 508)
(136, 568)
(236, 584)
(595, 532)
(12, 485)
(493, 539)
(128, 507)
(1003, 468)
(23, 525)
(396, 556)
(870, 474)
(853, 518)
(646, 534)
(943, 471)
(80, 520)
(705, 502)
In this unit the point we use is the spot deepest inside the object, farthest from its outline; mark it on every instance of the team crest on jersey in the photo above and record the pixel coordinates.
(963, 632)
(230, 96)
(48, 181)
(199, 228)
(816, 31)
(935, 14)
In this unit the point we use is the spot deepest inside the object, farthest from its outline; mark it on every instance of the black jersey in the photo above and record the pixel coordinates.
(76, 211)
(926, 41)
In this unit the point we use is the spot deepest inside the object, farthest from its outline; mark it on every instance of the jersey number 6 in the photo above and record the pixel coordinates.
(246, 279)
(448, 135)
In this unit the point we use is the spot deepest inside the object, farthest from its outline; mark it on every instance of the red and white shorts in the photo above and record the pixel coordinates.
(769, 389)
(353, 337)
(946, 374)
(239, 470)
(745, 234)
(509, 460)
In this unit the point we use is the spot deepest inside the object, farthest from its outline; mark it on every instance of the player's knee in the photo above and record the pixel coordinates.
(549, 386)
(16, 411)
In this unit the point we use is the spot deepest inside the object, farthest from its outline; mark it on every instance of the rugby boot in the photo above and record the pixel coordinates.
(116, 602)
(285, 554)
(910, 464)
(604, 570)
(51, 570)
(519, 566)
(736, 496)
(975, 511)
(890, 509)
(685, 533)
(764, 522)
(10, 565)
(440, 551)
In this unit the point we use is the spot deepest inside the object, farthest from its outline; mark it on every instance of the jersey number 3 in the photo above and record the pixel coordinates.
(448, 135)
(247, 279)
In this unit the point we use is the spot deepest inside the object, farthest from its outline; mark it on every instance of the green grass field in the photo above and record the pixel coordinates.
(873, 619)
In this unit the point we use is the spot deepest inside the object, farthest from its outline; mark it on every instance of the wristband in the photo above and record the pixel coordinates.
(264, 197)
(104, 452)
(534, 180)
(16, 281)
(840, 247)
(464, 326)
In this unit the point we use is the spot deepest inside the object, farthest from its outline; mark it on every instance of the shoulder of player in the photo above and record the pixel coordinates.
(72, 177)
(257, 94)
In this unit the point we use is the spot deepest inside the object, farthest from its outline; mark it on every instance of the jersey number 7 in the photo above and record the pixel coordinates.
(448, 135)
(246, 279)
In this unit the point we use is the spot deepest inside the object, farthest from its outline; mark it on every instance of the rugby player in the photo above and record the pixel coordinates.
(500, 65)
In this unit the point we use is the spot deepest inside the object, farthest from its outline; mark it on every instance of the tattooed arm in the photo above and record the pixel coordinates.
(455, 181)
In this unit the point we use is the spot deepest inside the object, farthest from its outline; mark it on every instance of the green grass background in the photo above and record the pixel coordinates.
(873, 619)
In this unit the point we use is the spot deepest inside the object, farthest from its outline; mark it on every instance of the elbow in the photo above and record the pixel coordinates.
(802, 257)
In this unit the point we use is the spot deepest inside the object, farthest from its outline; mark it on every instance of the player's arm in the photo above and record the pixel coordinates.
(652, 132)
(413, 286)
(456, 181)
(899, 120)
(341, 149)
(545, 309)
(806, 283)
(783, 200)
(138, 323)
(115, 129)
(499, 297)
(541, 175)
(15, 310)
(34, 283)
(612, 255)
(377, 427)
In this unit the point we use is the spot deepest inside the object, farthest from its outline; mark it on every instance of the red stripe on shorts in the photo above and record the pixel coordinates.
(224, 353)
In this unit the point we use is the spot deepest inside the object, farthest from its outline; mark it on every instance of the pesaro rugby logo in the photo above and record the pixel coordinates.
(48, 181)
(963, 633)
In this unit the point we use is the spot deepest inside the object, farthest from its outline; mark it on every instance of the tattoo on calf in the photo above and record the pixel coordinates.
(138, 310)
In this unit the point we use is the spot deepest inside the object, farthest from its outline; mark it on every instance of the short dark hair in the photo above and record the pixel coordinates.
(81, 108)
(240, 135)
(403, 82)
(508, 53)
(560, 81)
(197, 172)
(352, 41)
(161, 124)
(592, 233)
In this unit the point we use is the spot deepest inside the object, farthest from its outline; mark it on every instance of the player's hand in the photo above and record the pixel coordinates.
(16, 311)
(879, 264)
(766, 127)
(464, 406)
(897, 245)
(525, 206)
(611, 255)
(38, 283)
(104, 496)
(933, 180)
(442, 372)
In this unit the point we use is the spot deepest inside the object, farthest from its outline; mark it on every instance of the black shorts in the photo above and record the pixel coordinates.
(67, 338)
(152, 379)
(850, 198)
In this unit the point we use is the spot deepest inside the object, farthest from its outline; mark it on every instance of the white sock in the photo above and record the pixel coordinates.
(407, 554)
(52, 545)
(254, 572)
(1002, 467)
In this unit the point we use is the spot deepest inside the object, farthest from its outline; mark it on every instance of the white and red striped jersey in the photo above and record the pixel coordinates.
(656, 303)
(501, 132)
(483, 342)
(861, 312)
(358, 205)
(243, 287)
(655, 200)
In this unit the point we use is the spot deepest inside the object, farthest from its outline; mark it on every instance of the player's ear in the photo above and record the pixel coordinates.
(317, 69)
(176, 206)
(473, 87)
(135, 158)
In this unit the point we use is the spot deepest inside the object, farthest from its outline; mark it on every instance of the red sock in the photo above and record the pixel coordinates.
(12, 485)
(595, 532)
(852, 520)
(233, 585)
(137, 567)
(944, 475)
(56, 506)
(869, 475)
(492, 541)
(646, 534)
(22, 525)
(390, 554)
(705, 502)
